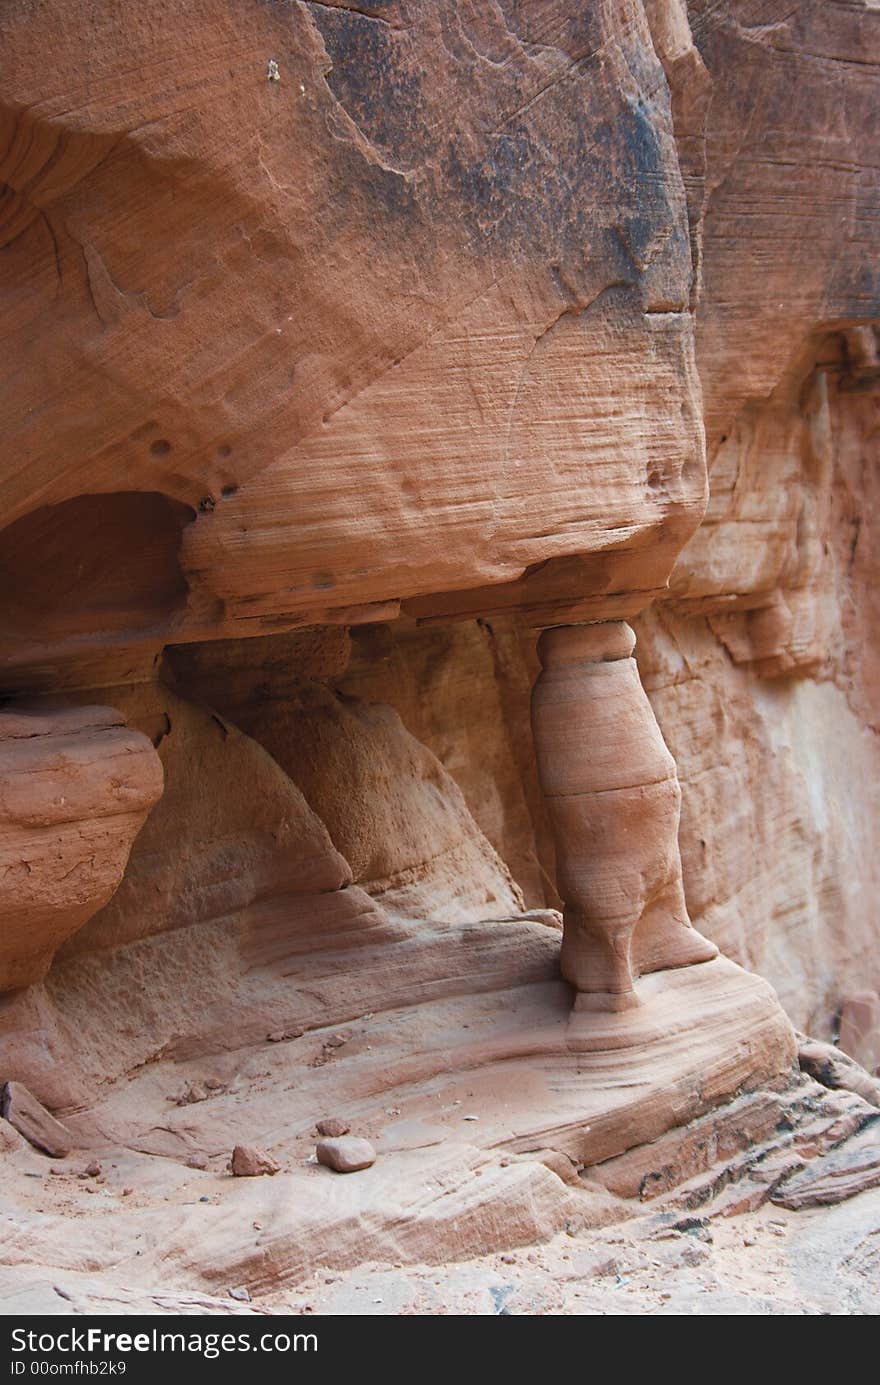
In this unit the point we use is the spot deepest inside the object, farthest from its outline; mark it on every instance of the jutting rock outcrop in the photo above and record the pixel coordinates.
(76, 786)
(371, 289)
(370, 369)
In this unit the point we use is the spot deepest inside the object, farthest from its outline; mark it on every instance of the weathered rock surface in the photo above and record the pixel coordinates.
(837, 1070)
(461, 1021)
(772, 1262)
(76, 785)
(841, 1175)
(428, 1198)
(762, 672)
(230, 830)
(348, 349)
(463, 690)
(860, 1027)
(390, 807)
(9, 1137)
(25, 1114)
(359, 284)
(763, 667)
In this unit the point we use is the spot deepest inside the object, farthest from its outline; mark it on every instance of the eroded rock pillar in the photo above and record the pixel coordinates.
(613, 796)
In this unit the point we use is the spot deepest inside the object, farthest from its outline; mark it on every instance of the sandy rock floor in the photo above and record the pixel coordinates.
(480, 1113)
(822, 1261)
(771, 1262)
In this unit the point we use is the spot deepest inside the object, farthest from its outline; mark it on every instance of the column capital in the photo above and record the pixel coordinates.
(601, 641)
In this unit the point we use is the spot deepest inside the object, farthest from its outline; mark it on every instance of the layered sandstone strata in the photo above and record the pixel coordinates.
(349, 348)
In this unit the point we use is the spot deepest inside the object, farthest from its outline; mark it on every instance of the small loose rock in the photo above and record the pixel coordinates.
(348, 1154)
(31, 1119)
(249, 1162)
(333, 1127)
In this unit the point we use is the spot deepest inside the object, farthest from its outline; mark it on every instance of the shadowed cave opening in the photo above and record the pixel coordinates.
(95, 565)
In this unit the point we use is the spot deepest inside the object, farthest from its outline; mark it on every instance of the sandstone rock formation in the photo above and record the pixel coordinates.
(33, 1121)
(762, 668)
(76, 785)
(404, 828)
(613, 799)
(366, 369)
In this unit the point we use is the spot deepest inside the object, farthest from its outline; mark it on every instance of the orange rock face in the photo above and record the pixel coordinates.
(370, 290)
(348, 349)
